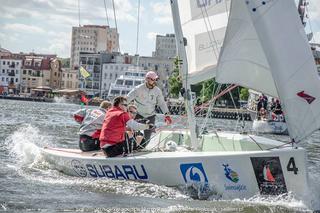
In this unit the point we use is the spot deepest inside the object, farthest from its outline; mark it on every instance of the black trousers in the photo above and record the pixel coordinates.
(147, 132)
(87, 143)
(122, 148)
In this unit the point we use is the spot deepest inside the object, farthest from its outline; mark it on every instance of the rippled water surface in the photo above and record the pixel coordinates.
(29, 184)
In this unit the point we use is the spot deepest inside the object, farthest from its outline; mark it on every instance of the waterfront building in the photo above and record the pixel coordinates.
(92, 63)
(103, 68)
(40, 70)
(4, 52)
(165, 46)
(69, 79)
(10, 70)
(162, 66)
(92, 39)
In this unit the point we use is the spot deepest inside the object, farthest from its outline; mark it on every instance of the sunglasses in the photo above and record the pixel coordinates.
(153, 79)
(133, 112)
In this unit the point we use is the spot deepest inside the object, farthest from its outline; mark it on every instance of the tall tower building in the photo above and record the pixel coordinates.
(165, 46)
(92, 39)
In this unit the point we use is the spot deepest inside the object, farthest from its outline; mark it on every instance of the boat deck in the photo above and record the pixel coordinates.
(76, 153)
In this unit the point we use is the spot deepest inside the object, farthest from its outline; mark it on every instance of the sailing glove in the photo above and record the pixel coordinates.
(168, 120)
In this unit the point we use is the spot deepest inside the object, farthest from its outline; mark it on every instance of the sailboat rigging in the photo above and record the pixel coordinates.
(255, 42)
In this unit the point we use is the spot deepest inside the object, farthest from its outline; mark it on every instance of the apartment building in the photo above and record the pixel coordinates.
(70, 79)
(92, 63)
(165, 46)
(40, 71)
(162, 66)
(4, 52)
(10, 70)
(92, 39)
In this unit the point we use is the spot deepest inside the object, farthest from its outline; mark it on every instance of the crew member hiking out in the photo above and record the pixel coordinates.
(112, 138)
(146, 97)
(91, 121)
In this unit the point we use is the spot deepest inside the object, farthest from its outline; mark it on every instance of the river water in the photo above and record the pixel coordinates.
(29, 184)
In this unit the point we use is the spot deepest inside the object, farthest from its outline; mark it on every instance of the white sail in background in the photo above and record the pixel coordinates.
(278, 51)
(203, 24)
(242, 60)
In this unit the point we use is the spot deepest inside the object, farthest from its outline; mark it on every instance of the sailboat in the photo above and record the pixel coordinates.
(270, 123)
(254, 44)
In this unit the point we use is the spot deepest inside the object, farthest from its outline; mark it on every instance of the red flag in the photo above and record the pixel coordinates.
(84, 99)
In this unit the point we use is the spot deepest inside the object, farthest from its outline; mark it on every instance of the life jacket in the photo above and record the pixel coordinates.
(114, 127)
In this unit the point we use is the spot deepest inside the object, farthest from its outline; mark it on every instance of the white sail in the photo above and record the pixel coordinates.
(242, 60)
(203, 24)
(279, 52)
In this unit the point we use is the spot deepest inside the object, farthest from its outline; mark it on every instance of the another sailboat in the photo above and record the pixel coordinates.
(260, 40)
(269, 123)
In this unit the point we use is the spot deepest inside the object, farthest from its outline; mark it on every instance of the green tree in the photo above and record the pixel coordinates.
(206, 90)
(244, 94)
(175, 83)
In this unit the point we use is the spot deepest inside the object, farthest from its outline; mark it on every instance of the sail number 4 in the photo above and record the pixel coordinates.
(291, 167)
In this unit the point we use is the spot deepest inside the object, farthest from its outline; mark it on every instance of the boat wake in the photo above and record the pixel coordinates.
(24, 144)
(24, 148)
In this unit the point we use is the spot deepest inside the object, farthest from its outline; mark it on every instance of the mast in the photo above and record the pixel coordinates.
(180, 42)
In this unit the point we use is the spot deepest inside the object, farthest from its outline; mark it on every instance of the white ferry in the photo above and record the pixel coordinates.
(125, 83)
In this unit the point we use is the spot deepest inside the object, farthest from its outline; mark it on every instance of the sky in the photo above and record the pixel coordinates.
(44, 26)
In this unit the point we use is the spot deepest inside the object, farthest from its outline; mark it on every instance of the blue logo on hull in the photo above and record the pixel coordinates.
(193, 172)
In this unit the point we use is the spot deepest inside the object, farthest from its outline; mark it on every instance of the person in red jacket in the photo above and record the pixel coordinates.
(112, 137)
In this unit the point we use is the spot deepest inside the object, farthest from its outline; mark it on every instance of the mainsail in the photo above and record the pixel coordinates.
(203, 24)
(266, 49)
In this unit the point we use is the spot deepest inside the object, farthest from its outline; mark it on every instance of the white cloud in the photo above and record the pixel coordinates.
(49, 23)
(23, 28)
(59, 43)
(13, 13)
(162, 12)
(152, 35)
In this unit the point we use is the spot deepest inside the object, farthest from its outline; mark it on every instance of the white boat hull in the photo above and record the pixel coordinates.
(272, 127)
(229, 174)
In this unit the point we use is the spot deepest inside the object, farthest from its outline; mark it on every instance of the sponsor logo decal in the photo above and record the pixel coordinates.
(230, 174)
(79, 168)
(308, 98)
(233, 177)
(121, 172)
(193, 172)
(269, 175)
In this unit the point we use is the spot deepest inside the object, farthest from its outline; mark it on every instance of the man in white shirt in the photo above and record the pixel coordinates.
(146, 97)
